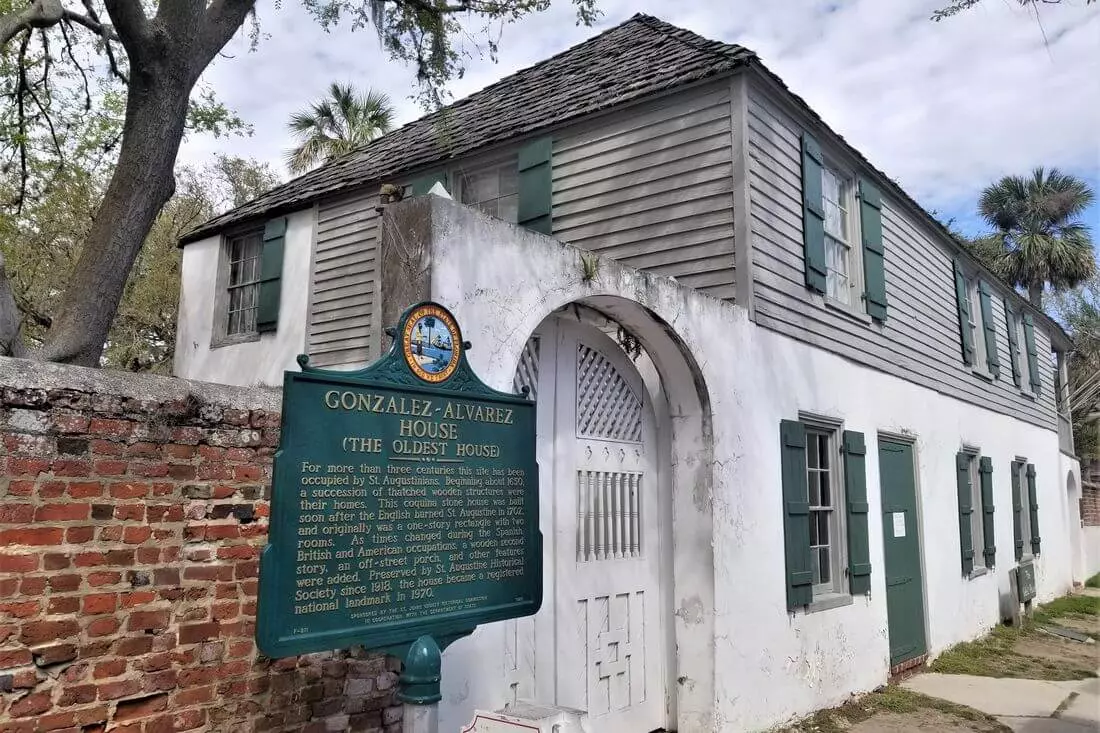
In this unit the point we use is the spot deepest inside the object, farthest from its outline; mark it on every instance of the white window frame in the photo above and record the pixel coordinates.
(478, 168)
(852, 244)
(977, 526)
(977, 327)
(220, 334)
(837, 588)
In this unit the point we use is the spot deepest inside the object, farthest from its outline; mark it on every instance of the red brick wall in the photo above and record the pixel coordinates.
(130, 529)
(1090, 493)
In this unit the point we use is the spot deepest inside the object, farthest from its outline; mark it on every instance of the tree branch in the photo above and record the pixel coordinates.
(39, 14)
(91, 22)
(223, 19)
(83, 74)
(22, 119)
(131, 24)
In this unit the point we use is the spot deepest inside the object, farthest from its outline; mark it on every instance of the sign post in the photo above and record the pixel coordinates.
(404, 509)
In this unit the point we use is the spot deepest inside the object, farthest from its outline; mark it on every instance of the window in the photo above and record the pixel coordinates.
(1021, 353)
(836, 195)
(826, 530)
(243, 254)
(977, 531)
(494, 189)
(1020, 467)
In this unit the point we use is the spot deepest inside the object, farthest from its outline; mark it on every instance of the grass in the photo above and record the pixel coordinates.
(1093, 582)
(891, 699)
(994, 655)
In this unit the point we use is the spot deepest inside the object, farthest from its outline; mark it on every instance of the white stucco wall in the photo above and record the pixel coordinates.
(769, 666)
(260, 362)
(1090, 537)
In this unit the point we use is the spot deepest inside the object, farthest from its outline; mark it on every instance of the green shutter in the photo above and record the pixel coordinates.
(874, 253)
(966, 537)
(1013, 346)
(989, 327)
(1032, 354)
(535, 186)
(796, 514)
(985, 472)
(1033, 507)
(964, 315)
(271, 274)
(855, 485)
(813, 215)
(1017, 507)
(422, 185)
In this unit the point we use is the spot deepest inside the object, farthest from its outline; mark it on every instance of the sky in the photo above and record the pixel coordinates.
(943, 108)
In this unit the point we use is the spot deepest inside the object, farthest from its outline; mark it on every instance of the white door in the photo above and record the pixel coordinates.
(603, 548)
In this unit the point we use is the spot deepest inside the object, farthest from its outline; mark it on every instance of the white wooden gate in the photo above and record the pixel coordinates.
(600, 632)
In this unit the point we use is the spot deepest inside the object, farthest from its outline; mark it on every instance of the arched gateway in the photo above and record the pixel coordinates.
(601, 643)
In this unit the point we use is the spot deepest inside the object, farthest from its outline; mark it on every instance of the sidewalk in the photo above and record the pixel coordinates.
(1032, 705)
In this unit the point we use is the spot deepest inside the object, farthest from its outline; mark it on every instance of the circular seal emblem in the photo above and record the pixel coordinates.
(431, 343)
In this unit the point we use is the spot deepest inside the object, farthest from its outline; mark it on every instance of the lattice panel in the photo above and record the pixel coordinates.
(527, 373)
(609, 512)
(606, 405)
(616, 651)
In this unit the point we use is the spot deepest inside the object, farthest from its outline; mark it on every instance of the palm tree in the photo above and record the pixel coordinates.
(337, 124)
(1038, 237)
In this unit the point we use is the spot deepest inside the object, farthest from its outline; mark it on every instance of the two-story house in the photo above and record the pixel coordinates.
(793, 438)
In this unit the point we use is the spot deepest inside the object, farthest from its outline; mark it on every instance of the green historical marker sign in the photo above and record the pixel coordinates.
(404, 501)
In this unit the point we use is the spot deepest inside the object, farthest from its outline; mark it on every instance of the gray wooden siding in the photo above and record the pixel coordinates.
(920, 340)
(344, 280)
(652, 187)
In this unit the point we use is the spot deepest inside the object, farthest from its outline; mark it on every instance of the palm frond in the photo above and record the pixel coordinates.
(338, 124)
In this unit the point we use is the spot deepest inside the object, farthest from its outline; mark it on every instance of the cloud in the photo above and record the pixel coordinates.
(944, 108)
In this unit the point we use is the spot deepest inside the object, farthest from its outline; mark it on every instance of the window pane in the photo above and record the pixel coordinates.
(815, 564)
(509, 179)
(826, 490)
(813, 529)
(823, 567)
(823, 449)
(815, 488)
(823, 519)
(508, 208)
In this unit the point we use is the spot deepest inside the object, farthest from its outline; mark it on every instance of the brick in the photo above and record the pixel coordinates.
(208, 572)
(111, 428)
(120, 557)
(197, 491)
(33, 585)
(182, 452)
(248, 569)
(32, 536)
(77, 694)
(155, 662)
(51, 489)
(129, 490)
(56, 721)
(107, 448)
(16, 513)
(143, 449)
(20, 609)
(163, 680)
(148, 555)
(20, 488)
(121, 688)
(109, 467)
(222, 531)
(147, 620)
(54, 654)
(90, 559)
(79, 535)
(85, 489)
(104, 577)
(62, 512)
(103, 626)
(226, 611)
(72, 446)
(238, 552)
(137, 598)
(14, 658)
(182, 472)
(18, 563)
(141, 707)
(215, 472)
(136, 535)
(193, 696)
(103, 511)
(27, 466)
(71, 467)
(135, 646)
(192, 633)
(70, 423)
(190, 719)
(63, 604)
(40, 632)
(110, 668)
(130, 512)
(63, 583)
(166, 576)
(34, 704)
(97, 603)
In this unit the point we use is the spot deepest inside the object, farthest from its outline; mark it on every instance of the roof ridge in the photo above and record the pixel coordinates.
(691, 39)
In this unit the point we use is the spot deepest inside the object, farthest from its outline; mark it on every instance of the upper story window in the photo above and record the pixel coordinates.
(974, 323)
(836, 200)
(243, 255)
(492, 188)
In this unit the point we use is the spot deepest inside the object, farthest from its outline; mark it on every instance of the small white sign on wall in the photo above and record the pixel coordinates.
(899, 524)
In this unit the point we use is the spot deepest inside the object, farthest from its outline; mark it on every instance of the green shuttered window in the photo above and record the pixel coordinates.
(1032, 355)
(855, 484)
(1011, 328)
(962, 302)
(535, 186)
(966, 508)
(989, 546)
(813, 527)
(1017, 509)
(813, 215)
(1033, 509)
(874, 253)
(424, 184)
(989, 329)
(271, 272)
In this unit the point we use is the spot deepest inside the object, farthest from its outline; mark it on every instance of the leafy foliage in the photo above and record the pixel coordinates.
(337, 125)
(1079, 311)
(1038, 237)
(957, 6)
